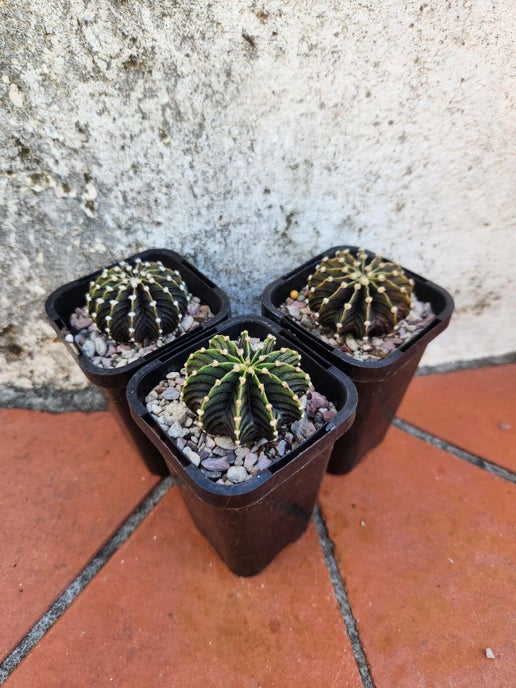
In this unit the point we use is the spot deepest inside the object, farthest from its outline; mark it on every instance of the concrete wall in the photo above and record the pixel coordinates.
(248, 136)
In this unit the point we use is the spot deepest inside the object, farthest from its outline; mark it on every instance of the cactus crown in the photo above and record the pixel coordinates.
(244, 393)
(359, 294)
(131, 303)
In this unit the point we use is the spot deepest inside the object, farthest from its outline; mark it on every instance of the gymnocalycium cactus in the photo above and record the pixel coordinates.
(359, 294)
(131, 303)
(244, 393)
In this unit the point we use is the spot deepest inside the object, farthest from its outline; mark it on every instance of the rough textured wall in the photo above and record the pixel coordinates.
(248, 136)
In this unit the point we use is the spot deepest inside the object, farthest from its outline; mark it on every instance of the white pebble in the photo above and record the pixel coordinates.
(186, 323)
(192, 456)
(177, 430)
(250, 461)
(351, 342)
(490, 654)
(156, 409)
(225, 442)
(88, 348)
(237, 474)
(177, 412)
(100, 346)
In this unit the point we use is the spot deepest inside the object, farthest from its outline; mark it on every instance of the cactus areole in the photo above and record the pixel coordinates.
(137, 302)
(243, 391)
(359, 294)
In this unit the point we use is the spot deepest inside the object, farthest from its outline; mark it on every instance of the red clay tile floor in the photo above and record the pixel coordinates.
(405, 578)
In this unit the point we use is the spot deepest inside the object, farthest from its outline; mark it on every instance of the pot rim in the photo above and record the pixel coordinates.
(441, 300)
(256, 487)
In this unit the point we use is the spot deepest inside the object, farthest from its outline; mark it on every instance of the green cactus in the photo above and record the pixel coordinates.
(244, 393)
(359, 294)
(131, 303)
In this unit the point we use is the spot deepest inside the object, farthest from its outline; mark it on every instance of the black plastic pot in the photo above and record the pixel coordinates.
(380, 384)
(64, 300)
(249, 523)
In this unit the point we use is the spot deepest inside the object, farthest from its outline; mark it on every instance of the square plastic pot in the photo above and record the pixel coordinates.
(249, 523)
(64, 300)
(382, 384)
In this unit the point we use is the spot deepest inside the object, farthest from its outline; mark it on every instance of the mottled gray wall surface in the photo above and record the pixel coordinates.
(249, 136)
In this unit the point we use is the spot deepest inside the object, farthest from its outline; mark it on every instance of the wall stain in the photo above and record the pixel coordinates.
(262, 14)
(9, 346)
(250, 41)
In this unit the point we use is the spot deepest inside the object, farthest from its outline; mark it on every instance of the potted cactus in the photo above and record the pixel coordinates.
(120, 317)
(371, 318)
(253, 438)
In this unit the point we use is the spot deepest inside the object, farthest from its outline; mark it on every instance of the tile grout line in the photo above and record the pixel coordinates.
(88, 573)
(435, 441)
(342, 598)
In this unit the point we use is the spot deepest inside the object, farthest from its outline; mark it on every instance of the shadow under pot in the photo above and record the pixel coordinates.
(249, 493)
(382, 380)
(61, 306)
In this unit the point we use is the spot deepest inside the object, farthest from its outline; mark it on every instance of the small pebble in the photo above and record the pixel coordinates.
(263, 463)
(171, 393)
(176, 430)
(281, 448)
(225, 442)
(187, 323)
(100, 346)
(195, 430)
(81, 323)
(351, 343)
(212, 475)
(250, 461)
(220, 464)
(88, 348)
(192, 456)
(237, 474)
(210, 442)
(327, 415)
(490, 654)
(176, 413)
(293, 309)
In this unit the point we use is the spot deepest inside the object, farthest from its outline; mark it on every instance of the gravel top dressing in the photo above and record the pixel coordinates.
(364, 348)
(106, 353)
(219, 457)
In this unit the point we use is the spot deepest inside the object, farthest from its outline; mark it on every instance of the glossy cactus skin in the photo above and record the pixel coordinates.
(359, 294)
(134, 302)
(243, 393)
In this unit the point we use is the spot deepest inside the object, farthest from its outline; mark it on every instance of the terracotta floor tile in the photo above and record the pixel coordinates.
(474, 409)
(68, 482)
(166, 612)
(426, 545)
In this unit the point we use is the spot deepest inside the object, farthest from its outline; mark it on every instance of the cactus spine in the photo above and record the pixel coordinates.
(244, 393)
(131, 303)
(359, 294)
